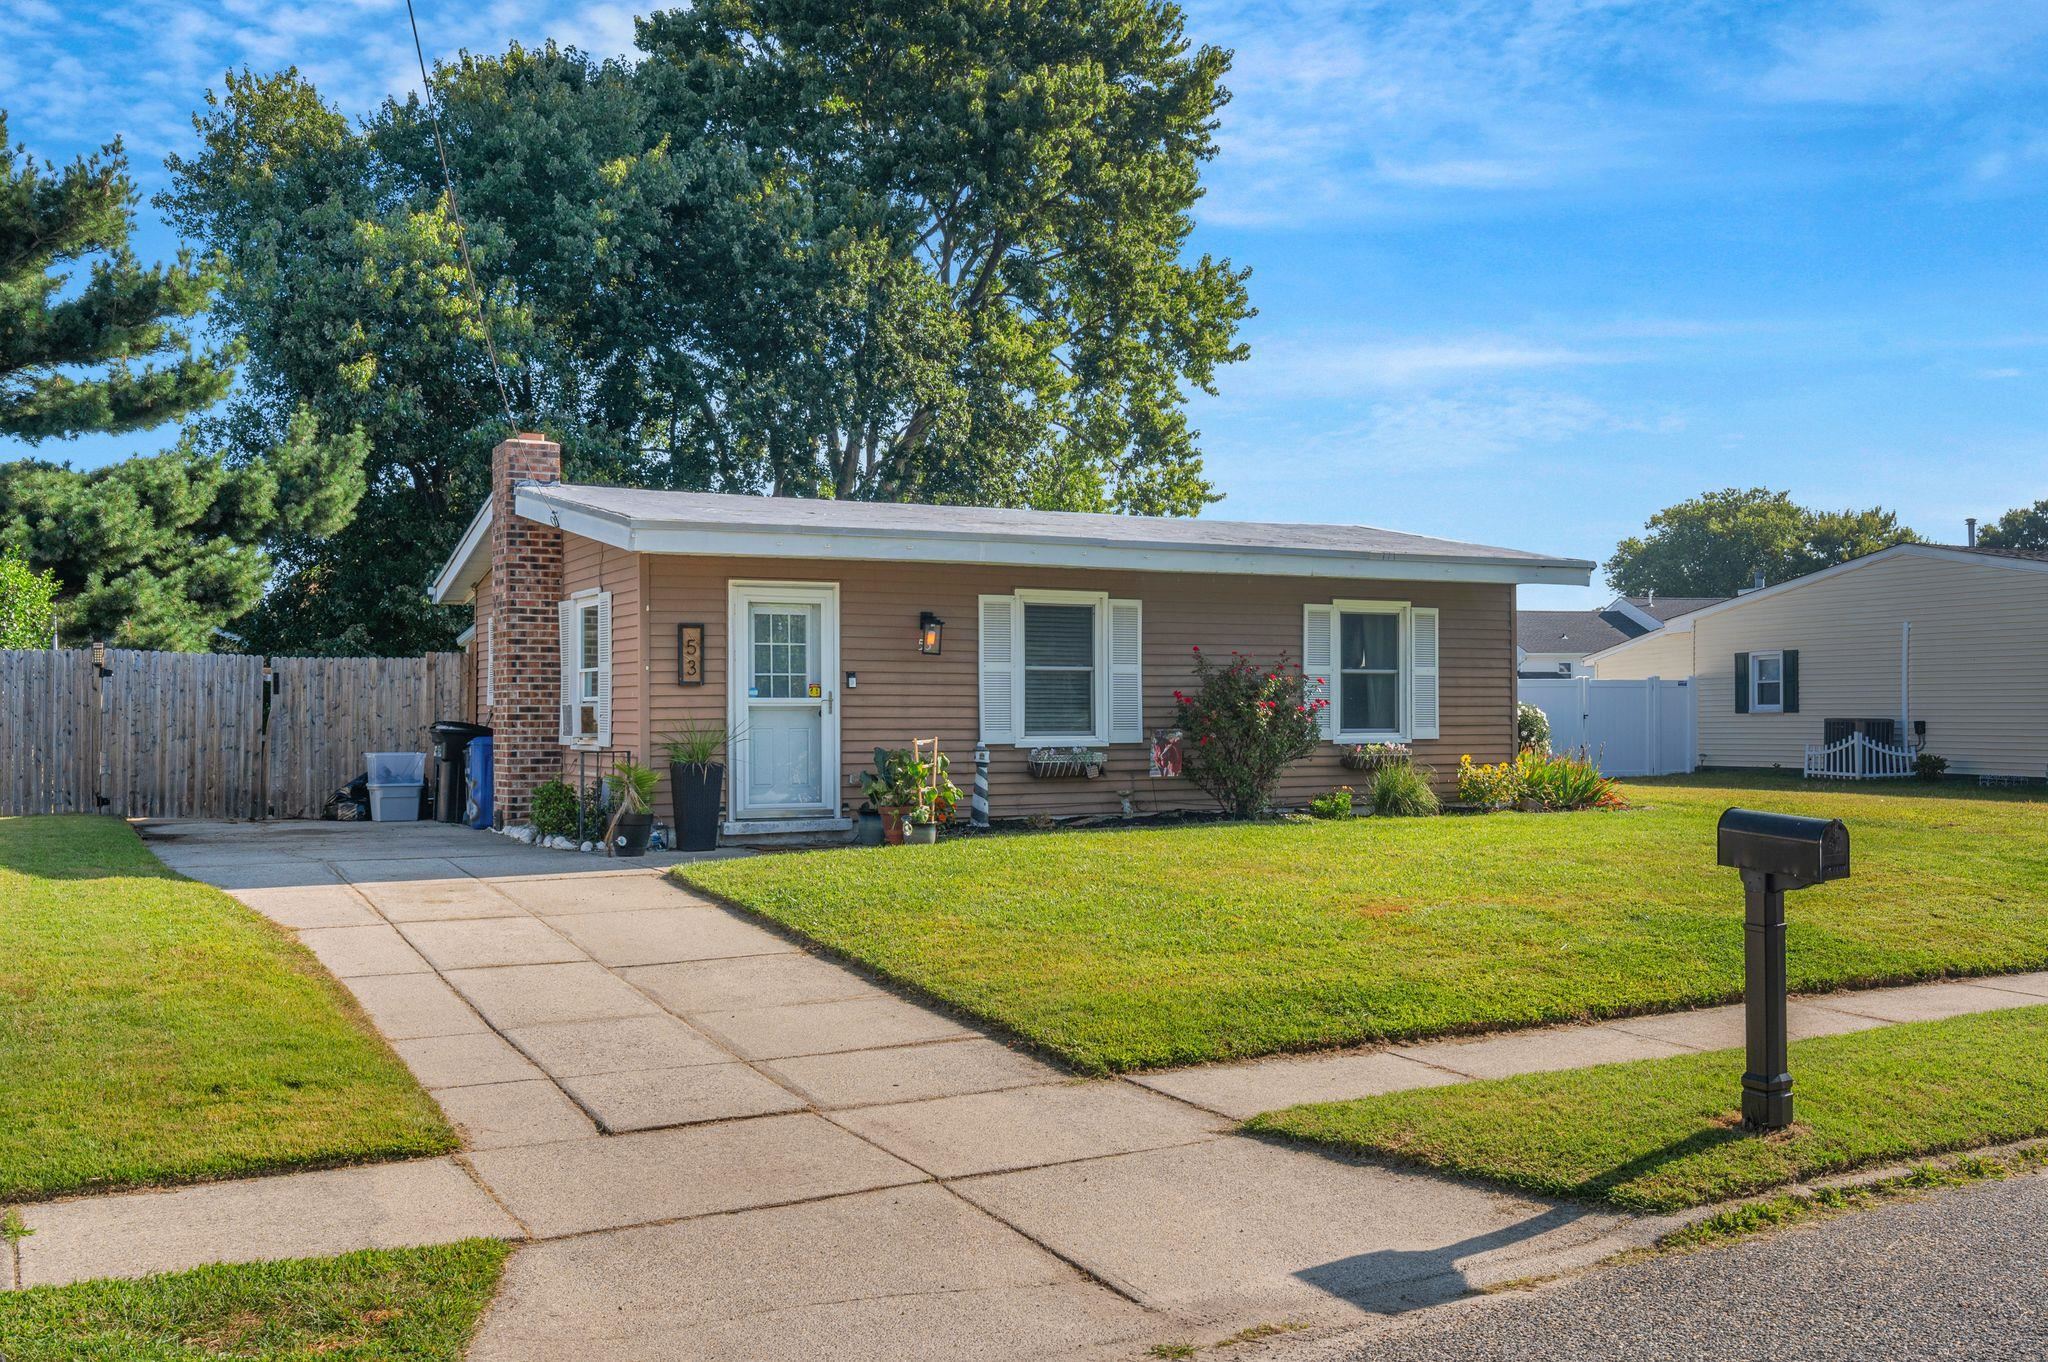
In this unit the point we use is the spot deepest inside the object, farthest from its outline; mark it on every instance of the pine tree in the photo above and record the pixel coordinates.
(124, 324)
(160, 550)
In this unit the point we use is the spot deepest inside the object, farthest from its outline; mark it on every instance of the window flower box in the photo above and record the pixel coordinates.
(1067, 763)
(1373, 755)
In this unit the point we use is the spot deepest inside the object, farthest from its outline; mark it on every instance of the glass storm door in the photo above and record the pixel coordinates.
(786, 755)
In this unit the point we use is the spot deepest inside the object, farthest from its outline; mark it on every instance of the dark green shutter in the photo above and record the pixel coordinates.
(1742, 683)
(1791, 681)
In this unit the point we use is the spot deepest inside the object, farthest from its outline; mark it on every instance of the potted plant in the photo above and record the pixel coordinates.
(634, 820)
(696, 781)
(867, 827)
(885, 789)
(913, 795)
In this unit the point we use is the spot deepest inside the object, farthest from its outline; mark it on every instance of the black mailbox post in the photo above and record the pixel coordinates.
(1775, 852)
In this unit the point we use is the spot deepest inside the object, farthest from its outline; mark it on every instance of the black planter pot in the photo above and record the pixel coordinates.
(697, 791)
(630, 833)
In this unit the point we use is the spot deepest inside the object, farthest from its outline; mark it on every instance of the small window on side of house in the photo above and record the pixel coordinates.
(589, 648)
(1767, 683)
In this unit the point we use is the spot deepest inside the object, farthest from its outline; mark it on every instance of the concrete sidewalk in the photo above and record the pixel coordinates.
(721, 1146)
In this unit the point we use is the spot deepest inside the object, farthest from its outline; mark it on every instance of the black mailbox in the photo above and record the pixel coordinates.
(1775, 852)
(1797, 851)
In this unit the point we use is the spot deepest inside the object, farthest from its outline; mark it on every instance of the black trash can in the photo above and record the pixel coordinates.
(451, 752)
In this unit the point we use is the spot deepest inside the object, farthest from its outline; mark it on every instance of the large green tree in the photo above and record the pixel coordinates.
(161, 550)
(2023, 527)
(1713, 544)
(114, 352)
(931, 252)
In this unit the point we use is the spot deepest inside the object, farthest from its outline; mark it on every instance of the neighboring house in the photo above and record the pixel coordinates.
(1054, 630)
(1943, 645)
(1558, 642)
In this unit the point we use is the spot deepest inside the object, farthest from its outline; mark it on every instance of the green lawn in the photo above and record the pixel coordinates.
(1131, 948)
(383, 1305)
(1662, 1134)
(154, 1030)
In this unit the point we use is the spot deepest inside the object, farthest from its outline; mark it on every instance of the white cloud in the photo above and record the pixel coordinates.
(1902, 51)
(1333, 368)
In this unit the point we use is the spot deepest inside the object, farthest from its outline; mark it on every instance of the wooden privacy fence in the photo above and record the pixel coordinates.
(204, 735)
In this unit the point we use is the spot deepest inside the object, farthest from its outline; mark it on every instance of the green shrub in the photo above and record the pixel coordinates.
(1565, 782)
(1929, 767)
(1335, 804)
(554, 809)
(1532, 729)
(1244, 725)
(1400, 790)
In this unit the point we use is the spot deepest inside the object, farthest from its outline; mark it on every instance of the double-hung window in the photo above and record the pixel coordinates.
(1369, 672)
(1061, 669)
(1767, 683)
(586, 644)
(1372, 669)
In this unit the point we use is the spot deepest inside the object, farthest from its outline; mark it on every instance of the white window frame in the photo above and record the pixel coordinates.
(1402, 670)
(1099, 688)
(588, 696)
(1756, 682)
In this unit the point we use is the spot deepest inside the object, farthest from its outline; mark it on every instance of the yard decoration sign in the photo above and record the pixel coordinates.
(690, 654)
(1166, 755)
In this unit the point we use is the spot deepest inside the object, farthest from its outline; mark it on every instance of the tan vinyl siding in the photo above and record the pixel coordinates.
(1666, 654)
(904, 694)
(587, 564)
(1979, 663)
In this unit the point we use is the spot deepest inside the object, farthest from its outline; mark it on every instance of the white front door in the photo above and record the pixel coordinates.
(784, 666)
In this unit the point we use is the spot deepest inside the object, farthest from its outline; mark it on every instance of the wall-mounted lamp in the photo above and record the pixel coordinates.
(99, 658)
(929, 630)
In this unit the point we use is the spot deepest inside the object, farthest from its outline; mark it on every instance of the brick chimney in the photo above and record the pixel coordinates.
(525, 652)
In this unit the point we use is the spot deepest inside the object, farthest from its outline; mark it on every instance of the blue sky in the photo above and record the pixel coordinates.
(1526, 271)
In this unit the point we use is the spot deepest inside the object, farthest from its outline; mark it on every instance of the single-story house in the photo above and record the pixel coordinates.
(1557, 642)
(1939, 646)
(818, 630)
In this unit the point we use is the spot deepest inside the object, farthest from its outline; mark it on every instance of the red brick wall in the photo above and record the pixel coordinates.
(523, 600)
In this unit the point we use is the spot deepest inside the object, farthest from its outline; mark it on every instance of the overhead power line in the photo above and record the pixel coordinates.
(476, 295)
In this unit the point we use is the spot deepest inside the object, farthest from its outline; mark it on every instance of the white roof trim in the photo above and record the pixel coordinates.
(463, 639)
(467, 565)
(1623, 606)
(724, 539)
(1938, 552)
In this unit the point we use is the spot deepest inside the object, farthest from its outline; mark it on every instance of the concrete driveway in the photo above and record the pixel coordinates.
(722, 1146)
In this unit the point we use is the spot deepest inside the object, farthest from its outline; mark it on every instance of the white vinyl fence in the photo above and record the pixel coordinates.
(1857, 757)
(1630, 728)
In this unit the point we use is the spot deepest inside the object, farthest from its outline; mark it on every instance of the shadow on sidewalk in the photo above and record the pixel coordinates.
(1394, 1281)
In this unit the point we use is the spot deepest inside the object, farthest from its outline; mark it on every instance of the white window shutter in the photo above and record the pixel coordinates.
(1126, 671)
(1423, 651)
(566, 635)
(1319, 662)
(604, 669)
(998, 640)
(490, 661)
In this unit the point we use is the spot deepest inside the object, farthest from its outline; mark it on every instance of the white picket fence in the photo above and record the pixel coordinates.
(1630, 728)
(1858, 758)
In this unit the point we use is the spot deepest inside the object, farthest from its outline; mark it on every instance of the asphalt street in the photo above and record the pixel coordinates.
(1959, 1275)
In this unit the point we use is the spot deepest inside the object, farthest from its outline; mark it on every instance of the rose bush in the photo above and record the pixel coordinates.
(1245, 723)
